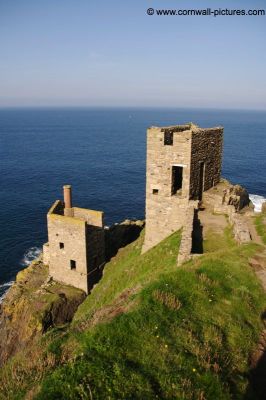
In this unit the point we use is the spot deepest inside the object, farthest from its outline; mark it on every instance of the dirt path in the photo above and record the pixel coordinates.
(252, 229)
(258, 262)
(209, 221)
(217, 223)
(258, 358)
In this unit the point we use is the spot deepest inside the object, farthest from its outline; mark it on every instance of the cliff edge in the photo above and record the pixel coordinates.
(33, 305)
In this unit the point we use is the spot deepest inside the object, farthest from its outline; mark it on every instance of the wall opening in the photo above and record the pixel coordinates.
(61, 245)
(177, 178)
(73, 264)
(155, 191)
(168, 138)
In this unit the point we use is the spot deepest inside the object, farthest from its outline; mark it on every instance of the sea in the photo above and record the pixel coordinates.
(101, 152)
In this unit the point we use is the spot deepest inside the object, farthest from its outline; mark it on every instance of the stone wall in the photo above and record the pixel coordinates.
(220, 200)
(71, 233)
(188, 146)
(240, 228)
(95, 239)
(76, 248)
(45, 253)
(206, 147)
(92, 217)
(185, 248)
(57, 208)
(165, 212)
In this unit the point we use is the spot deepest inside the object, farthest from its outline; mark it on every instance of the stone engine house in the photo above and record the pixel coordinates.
(76, 247)
(182, 162)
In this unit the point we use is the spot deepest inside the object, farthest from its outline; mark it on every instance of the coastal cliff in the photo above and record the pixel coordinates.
(149, 329)
(33, 305)
(36, 303)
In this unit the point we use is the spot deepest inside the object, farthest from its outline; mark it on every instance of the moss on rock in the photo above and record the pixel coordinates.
(32, 305)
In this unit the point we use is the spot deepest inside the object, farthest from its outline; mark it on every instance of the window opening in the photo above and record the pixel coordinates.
(73, 264)
(168, 138)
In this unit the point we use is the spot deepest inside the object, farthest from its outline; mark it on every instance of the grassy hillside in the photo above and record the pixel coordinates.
(129, 271)
(260, 223)
(151, 330)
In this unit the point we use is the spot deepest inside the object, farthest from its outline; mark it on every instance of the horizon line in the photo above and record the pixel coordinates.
(10, 107)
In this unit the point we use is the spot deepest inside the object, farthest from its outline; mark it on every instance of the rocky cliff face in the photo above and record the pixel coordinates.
(36, 303)
(33, 305)
(237, 196)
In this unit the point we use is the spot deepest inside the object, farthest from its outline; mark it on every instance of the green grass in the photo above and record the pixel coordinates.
(260, 223)
(179, 333)
(130, 270)
(188, 337)
(215, 242)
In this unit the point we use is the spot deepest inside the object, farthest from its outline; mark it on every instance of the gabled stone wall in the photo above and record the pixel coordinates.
(71, 233)
(76, 245)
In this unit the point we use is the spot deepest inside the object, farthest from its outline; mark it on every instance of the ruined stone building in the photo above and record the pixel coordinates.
(182, 162)
(183, 169)
(75, 250)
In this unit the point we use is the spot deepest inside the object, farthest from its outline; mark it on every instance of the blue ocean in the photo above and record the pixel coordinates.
(101, 153)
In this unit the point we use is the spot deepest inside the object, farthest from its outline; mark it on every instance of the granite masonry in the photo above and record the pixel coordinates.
(183, 174)
(183, 161)
(76, 247)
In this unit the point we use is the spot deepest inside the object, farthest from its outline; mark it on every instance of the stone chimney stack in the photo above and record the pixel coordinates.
(68, 200)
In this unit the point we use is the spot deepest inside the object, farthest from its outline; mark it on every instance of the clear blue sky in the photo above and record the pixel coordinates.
(110, 53)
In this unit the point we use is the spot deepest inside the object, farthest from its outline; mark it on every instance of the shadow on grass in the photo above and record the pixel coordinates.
(197, 235)
(257, 378)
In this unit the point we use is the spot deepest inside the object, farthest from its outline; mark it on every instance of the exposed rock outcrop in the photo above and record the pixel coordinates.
(229, 199)
(36, 303)
(225, 194)
(32, 305)
(236, 196)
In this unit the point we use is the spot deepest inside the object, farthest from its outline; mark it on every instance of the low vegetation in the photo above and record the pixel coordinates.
(151, 330)
(260, 223)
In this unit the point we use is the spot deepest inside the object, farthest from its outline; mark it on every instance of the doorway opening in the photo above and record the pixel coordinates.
(177, 178)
